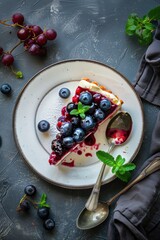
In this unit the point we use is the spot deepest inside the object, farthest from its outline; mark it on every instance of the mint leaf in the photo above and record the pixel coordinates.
(154, 13)
(80, 106)
(128, 167)
(42, 202)
(106, 158)
(81, 110)
(74, 112)
(124, 177)
(115, 169)
(119, 160)
(82, 115)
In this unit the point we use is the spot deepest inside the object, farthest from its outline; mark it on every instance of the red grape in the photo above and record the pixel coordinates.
(41, 39)
(50, 34)
(36, 30)
(18, 18)
(34, 49)
(7, 59)
(28, 42)
(1, 51)
(23, 34)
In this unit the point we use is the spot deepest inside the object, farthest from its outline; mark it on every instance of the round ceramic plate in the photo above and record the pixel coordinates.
(40, 100)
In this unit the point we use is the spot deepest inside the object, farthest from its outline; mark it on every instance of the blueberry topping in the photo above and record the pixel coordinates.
(86, 98)
(64, 92)
(99, 115)
(61, 119)
(56, 146)
(24, 206)
(92, 108)
(75, 121)
(88, 123)
(43, 212)
(66, 129)
(68, 142)
(30, 190)
(49, 224)
(78, 135)
(71, 106)
(43, 126)
(6, 88)
(97, 98)
(105, 104)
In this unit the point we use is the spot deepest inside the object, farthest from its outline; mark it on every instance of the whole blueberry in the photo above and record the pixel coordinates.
(43, 126)
(64, 92)
(75, 121)
(6, 88)
(68, 142)
(99, 115)
(86, 98)
(30, 190)
(66, 129)
(105, 105)
(43, 212)
(92, 108)
(88, 123)
(49, 224)
(71, 106)
(78, 135)
(24, 206)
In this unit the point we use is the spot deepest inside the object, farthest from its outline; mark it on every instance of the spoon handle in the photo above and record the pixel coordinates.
(92, 201)
(152, 167)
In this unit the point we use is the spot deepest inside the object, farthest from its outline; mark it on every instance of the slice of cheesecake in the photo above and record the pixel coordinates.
(91, 106)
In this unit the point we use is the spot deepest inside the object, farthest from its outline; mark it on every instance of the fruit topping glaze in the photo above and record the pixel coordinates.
(91, 105)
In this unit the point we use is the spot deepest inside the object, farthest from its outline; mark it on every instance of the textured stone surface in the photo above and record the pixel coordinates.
(87, 29)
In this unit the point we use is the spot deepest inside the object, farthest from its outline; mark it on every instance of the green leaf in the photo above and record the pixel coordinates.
(82, 115)
(19, 74)
(119, 160)
(86, 108)
(154, 13)
(128, 167)
(80, 106)
(115, 169)
(74, 112)
(124, 177)
(106, 158)
(42, 202)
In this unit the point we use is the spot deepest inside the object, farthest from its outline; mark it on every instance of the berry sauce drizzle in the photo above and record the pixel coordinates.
(119, 135)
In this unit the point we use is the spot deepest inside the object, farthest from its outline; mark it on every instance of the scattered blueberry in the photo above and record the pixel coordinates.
(71, 106)
(49, 224)
(68, 142)
(86, 98)
(99, 115)
(30, 190)
(43, 212)
(6, 88)
(24, 206)
(64, 92)
(66, 129)
(43, 126)
(78, 135)
(105, 104)
(88, 123)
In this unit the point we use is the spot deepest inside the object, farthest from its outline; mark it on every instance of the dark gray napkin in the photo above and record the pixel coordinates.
(147, 82)
(137, 212)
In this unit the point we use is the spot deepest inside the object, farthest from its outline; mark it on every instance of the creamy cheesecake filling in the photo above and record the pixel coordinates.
(59, 152)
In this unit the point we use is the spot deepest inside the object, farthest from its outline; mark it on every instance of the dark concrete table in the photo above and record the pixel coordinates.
(87, 29)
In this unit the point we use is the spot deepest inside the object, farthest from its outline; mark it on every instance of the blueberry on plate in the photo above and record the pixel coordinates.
(105, 105)
(24, 206)
(86, 98)
(30, 190)
(6, 88)
(49, 224)
(43, 126)
(88, 123)
(99, 115)
(78, 135)
(68, 142)
(43, 212)
(64, 92)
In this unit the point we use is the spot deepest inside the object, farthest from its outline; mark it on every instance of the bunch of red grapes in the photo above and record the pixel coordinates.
(32, 37)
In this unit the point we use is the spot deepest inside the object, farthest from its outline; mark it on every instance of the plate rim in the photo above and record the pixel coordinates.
(32, 79)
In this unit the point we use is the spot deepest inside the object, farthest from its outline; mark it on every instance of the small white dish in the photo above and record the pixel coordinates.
(39, 100)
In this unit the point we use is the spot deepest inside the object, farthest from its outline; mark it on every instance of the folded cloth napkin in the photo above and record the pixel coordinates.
(147, 82)
(137, 212)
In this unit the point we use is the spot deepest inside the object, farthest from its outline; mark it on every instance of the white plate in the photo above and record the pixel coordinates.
(40, 100)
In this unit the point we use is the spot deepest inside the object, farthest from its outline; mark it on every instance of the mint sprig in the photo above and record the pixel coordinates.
(81, 109)
(143, 27)
(43, 200)
(121, 170)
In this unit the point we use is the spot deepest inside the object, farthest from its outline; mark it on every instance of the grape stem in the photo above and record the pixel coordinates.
(15, 47)
(10, 25)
